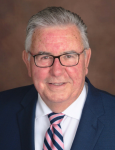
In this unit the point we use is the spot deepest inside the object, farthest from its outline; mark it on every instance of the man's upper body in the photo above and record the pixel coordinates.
(96, 129)
(57, 56)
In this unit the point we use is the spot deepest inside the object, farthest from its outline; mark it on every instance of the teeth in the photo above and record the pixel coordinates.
(57, 83)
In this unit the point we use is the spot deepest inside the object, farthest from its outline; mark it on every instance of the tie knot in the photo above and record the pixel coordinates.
(55, 118)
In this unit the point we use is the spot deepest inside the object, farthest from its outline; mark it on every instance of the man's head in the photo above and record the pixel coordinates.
(56, 31)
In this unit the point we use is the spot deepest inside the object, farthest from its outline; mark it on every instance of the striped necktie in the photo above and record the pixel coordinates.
(54, 138)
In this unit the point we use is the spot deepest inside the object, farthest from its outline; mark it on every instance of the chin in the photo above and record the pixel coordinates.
(58, 98)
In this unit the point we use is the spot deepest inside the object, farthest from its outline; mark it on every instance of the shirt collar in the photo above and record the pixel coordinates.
(41, 108)
(74, 110)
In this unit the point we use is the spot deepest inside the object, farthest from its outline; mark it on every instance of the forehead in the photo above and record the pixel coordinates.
(56, 38)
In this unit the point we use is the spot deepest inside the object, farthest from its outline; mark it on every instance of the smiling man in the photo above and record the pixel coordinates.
(61, 110)
(59, 84)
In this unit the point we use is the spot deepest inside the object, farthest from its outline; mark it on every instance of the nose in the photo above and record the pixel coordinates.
(57, 69)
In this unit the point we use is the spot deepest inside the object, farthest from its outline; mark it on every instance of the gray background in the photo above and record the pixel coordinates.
(99, 16)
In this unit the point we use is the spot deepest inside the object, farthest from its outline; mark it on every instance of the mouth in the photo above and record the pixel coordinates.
(57, 84)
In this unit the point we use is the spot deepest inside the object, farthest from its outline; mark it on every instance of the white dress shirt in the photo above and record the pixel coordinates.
(69, 124)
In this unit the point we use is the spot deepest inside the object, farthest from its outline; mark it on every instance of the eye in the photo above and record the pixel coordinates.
(69, 56)
(45, 57)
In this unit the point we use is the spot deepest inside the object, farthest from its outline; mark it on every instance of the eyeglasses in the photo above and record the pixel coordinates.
(46, 60)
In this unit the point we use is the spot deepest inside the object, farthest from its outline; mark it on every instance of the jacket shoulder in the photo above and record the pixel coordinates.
(100, 98)
(108, 100)
(14, 94)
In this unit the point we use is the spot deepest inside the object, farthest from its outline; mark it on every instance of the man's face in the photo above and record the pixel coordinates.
(58, 85)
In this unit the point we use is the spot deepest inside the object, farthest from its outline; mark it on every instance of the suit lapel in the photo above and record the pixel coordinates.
(90, 126)
(26, 119)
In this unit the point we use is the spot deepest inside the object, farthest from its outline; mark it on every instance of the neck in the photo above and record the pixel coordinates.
(59, 107)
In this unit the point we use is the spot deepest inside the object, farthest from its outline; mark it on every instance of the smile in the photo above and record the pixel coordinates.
(57, 84)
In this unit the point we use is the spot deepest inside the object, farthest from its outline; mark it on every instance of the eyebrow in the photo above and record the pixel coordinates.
(69, 52)
(47, 53)
(44, 53)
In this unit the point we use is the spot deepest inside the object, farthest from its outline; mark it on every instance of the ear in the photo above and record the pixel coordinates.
(87, 60)
(26, 61)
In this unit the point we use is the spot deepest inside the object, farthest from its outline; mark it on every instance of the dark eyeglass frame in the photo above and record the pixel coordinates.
(56, 57)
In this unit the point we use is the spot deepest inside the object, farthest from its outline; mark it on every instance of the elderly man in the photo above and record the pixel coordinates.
(62, 110)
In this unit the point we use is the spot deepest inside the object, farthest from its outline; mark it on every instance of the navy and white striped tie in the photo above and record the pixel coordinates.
(54, 138)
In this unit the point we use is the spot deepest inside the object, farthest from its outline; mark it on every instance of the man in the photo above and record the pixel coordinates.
(57, 56)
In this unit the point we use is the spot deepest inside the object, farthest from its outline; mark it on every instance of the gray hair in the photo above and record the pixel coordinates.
(55, 16)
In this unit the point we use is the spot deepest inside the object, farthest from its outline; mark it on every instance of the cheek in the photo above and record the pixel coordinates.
(39, 75)
(76, 74)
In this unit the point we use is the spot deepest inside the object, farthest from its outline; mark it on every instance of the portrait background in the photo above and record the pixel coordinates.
(99, 16)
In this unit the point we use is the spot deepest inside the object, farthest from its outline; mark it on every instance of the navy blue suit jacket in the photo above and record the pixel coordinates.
(96, 130)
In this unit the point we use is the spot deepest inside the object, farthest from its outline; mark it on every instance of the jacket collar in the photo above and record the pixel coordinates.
(26, 119)
(90, 126)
